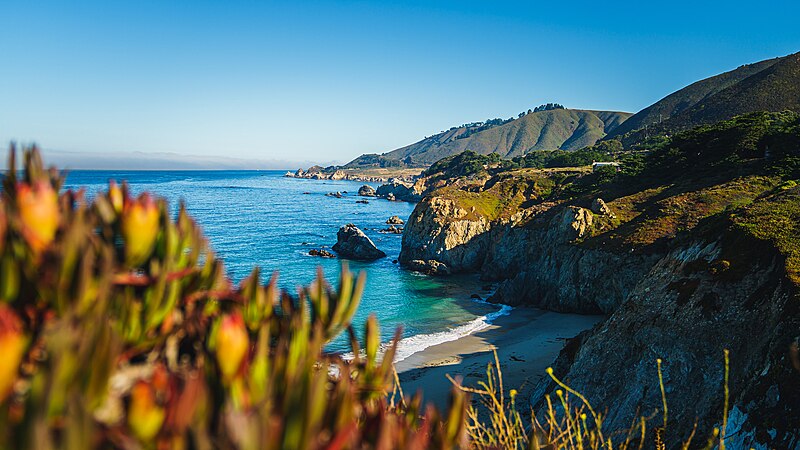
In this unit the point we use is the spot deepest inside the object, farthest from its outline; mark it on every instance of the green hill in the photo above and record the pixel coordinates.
(566, 129)
(770, 85)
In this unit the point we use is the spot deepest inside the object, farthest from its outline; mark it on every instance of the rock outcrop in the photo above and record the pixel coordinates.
(394, 220)
(367, 191)
(334, 173)
(439, 230)
(352, 243)
(600, 207)
(397, 190)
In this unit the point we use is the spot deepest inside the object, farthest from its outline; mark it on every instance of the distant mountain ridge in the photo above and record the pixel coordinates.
(769, 85)
(551, 129)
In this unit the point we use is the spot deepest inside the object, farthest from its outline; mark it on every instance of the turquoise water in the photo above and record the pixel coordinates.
(260, 218)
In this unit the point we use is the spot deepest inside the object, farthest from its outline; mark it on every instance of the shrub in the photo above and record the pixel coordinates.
(120, 329)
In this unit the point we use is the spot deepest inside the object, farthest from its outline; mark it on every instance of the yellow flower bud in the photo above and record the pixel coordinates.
(139, 229)
(115, 196)
(232, 344)
(145, 416)
(13, 344)
(38, 210)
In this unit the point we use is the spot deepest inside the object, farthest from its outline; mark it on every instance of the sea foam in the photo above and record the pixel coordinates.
(419, 342)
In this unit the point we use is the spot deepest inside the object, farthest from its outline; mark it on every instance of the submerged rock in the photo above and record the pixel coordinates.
(352, 243)
(322, 253)
(392, 230)
(430, 267)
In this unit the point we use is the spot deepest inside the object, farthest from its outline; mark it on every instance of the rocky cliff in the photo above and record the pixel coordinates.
(696, 253)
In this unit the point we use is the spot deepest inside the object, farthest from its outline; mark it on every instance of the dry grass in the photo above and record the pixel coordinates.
(497, 420)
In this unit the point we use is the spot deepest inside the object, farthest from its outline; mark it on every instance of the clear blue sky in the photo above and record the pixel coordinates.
(327, 81)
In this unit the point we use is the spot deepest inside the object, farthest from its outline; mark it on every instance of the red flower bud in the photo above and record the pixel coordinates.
(38, 211)
(13, 344)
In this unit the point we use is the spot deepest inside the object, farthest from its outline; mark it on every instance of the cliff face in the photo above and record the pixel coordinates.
(688, 308)
(695, 257)
(532, 253)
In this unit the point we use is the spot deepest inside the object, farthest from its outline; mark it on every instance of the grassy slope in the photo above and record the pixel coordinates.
(689, 96)
(714, 173)
(776, 87)
(567, 129)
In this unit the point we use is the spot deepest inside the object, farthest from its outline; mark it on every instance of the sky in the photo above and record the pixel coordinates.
(287, 83)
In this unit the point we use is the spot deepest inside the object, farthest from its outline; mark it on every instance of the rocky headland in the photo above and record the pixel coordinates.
(689, 251)
(373, 175)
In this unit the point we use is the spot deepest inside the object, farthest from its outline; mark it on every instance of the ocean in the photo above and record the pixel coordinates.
(261, 218)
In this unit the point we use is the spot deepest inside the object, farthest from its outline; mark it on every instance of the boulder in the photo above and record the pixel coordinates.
(366, 191)
(392, 230)
(600, 207)
(352, 243)
(366, 202)
(394, 220)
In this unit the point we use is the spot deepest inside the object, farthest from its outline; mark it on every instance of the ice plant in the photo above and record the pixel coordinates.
(145, 416)
(38, 212)
(232, 344)
(115, 196)
(139, 228)
(13, 344)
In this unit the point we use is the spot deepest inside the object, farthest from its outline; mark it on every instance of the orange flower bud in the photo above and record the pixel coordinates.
(115, 196)
(145, 416)
(232, 344)
(139, 229)
(38, 210)
(13, 344)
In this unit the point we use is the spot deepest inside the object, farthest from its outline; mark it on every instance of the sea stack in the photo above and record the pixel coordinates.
(352, 243)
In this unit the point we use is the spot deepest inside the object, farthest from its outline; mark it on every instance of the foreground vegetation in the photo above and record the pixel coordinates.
(120, 329)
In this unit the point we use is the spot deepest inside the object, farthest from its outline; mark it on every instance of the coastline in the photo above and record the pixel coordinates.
(527, 342)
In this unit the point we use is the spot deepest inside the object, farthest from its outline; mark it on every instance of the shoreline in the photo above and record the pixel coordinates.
(527, 341)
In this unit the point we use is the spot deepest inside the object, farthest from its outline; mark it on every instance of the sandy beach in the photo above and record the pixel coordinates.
(527, 342)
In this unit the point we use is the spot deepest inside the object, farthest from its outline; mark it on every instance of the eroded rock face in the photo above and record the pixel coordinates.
(439, 230)
(687, 312)
(352, 243)
(537, 264)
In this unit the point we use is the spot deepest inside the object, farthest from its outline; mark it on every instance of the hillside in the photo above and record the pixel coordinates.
(566, 129)
(770, 85)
